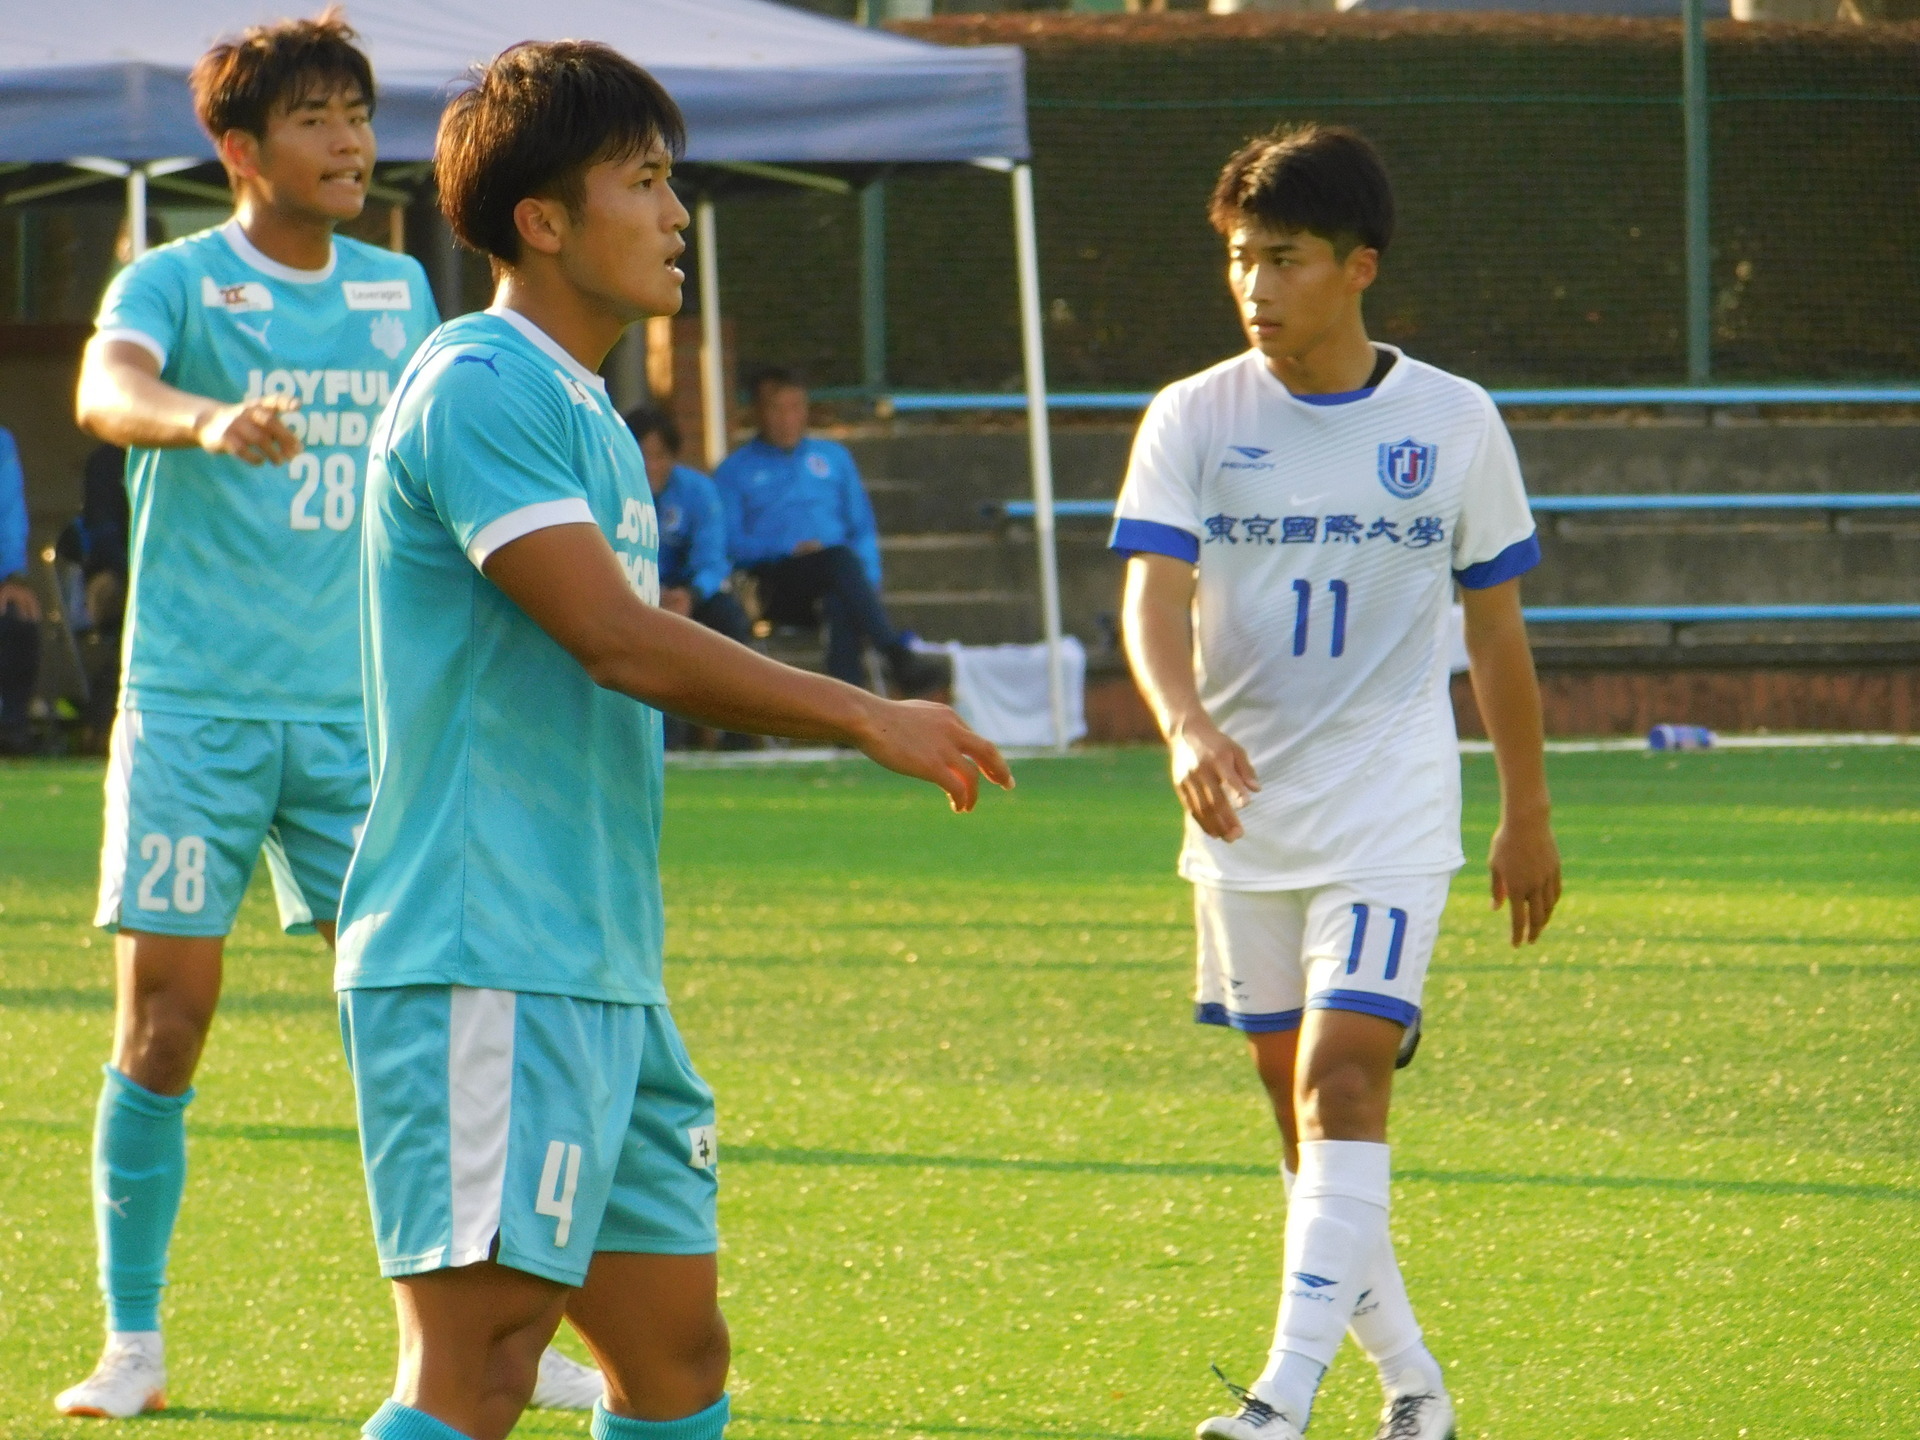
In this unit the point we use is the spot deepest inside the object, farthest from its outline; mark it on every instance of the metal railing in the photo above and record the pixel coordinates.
(1637, 614)
(921, 402)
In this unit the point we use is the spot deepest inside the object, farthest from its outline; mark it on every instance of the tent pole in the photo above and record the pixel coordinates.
(713, 399)
(136, 212)
(873, 287)
(1040, 442)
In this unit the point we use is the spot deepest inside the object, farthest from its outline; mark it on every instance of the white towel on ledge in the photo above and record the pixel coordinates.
(1001, 690)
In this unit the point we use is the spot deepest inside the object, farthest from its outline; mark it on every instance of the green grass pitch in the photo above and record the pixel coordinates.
(1658, 1177)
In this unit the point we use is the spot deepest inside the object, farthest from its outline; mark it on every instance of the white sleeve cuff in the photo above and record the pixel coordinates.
(525, 521)
(135, 337)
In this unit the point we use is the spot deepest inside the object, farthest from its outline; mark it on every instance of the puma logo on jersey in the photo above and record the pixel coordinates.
(259, 333)
(241, 299)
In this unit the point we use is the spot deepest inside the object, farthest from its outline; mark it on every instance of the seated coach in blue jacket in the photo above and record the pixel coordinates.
(694, 568)
(798, 520)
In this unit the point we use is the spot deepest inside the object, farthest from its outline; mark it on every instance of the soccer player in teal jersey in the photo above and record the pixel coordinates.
(243, 368)
(537, 1144)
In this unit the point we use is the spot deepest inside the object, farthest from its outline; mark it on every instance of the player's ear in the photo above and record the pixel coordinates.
(1363, 267)
(239, 152)
(540, 224)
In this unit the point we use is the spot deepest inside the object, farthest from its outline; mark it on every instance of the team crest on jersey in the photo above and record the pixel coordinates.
(241, 299)
(1407, 467)
(389, 335)
(817, 464)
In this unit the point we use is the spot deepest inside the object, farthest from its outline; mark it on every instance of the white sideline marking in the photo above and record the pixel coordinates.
(1720, 742)
(826, 755)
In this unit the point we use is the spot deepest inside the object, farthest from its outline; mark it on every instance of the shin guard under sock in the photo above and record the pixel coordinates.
(139, 1171)
(1336, 1222)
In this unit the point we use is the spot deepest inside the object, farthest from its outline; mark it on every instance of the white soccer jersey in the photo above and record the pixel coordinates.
(1328, 532)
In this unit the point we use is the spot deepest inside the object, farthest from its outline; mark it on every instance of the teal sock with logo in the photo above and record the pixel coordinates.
(139, 1172)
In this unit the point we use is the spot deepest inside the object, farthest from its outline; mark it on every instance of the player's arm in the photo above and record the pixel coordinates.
(1211, 772)
(1524, 862)
(568, 580)
(123, 401)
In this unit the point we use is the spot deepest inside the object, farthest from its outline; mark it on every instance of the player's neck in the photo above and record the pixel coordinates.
(572, 319)
(300, 242)
(1340, 362)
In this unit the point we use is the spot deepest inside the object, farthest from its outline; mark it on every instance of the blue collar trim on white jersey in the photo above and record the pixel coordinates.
(1343, 397)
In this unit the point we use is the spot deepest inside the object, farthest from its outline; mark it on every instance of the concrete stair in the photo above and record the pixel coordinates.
(954, 572)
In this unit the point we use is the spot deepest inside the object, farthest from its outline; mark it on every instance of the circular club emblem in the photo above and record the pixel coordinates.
(1407, 467)
(817, 465)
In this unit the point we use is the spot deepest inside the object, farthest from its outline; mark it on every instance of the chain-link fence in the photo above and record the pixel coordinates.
(1539, 168)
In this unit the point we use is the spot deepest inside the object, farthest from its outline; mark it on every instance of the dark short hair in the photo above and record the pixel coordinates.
(533, 122)
(237, 83)
(774, 377)
(645, 420)
(1323, 179)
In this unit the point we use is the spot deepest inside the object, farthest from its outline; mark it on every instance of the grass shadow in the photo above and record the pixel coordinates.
(1222, 1170)
(895, 1427)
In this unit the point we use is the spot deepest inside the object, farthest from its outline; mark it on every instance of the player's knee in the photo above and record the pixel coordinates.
(160, 1047)
(705, 1357)
(1343, 1101)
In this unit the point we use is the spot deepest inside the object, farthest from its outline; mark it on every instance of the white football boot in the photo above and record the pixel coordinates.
(1255, 1419)
(565, 1384)
(130, 1380)
(1416, 1417)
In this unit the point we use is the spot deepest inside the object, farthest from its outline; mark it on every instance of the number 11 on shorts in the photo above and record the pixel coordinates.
(1399, 919)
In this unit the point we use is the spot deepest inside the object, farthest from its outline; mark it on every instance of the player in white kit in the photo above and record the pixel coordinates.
(1296, 519)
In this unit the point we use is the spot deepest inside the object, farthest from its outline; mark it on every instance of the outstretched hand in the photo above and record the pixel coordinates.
(1524, 867)
(1214, 778)
(251, 430)
(930, 742)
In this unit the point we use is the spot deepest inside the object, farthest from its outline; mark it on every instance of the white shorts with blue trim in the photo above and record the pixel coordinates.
(1268, 956)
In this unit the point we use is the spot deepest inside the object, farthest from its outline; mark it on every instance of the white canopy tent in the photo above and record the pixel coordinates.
(100, 86)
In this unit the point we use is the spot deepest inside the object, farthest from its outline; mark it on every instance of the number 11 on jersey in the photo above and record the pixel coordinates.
(1303, 612)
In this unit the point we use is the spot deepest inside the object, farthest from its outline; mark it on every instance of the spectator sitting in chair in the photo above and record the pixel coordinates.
(19, 607)
(798, 521)
(694, 569)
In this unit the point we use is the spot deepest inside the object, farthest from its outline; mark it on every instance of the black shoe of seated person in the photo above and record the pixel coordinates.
(915, 675)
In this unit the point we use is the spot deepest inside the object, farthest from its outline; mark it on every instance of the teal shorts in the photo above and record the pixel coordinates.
(529, 1129)
(192, 800)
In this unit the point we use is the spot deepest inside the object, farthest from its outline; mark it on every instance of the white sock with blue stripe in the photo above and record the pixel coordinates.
(1336, 1224)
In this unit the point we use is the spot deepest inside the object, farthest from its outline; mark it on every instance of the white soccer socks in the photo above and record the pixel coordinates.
(1384, 1327)
(1336, 1225)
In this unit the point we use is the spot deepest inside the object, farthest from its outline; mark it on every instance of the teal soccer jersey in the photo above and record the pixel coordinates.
(513, 842)
(243, 598)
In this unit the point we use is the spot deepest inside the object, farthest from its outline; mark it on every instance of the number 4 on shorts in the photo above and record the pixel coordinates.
(555, 1197)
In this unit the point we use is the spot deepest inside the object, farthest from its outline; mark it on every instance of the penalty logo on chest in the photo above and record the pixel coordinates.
(1407, 467)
